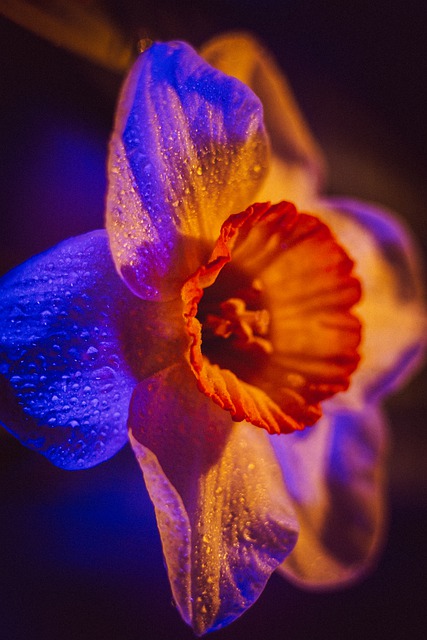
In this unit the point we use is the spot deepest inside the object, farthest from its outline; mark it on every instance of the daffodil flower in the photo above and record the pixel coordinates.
(219, 333)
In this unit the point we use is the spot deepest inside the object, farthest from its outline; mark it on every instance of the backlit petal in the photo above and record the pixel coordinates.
(392, 307)
(73, 343)
(335, 475)
(297, 166)
(188, 149)
(224, 516)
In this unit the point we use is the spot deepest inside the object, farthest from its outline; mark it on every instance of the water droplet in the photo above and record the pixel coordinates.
(99, 447)
(92, 352)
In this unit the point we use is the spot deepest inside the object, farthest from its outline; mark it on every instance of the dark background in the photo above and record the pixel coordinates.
(79, 554)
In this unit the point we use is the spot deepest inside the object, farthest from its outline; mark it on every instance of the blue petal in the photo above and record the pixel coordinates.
(67, 323)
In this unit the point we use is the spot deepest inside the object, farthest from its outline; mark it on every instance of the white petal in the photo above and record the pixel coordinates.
(334, 473)
(392, 307)
(224, 516)
(188, 149)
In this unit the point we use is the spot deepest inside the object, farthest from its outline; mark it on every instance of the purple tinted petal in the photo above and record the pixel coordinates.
(74, 341)
(224, 516)
(392, 308)
(335, 475)
(188, 149)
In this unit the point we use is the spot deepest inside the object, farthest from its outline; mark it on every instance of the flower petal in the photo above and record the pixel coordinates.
(297, 165)
(392, 307)
(67, 328)
(188, 149)
(222, 509)
(335, 476)
(306, 280)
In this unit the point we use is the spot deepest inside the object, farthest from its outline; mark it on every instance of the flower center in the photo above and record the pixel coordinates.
(235, 328)
(245, 327)
(272, 338)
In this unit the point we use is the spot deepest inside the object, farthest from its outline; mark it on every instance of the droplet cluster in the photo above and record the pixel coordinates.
(188, 150)
(73, 346)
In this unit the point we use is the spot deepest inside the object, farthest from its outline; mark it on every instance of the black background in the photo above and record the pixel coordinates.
(79, 554)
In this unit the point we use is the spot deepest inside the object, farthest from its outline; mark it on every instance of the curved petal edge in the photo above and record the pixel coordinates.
(188, 149)
(224, 515)
(392, 308)
(67, 326)
(335, 474)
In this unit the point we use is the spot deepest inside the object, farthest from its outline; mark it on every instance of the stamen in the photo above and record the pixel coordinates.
(245, 327)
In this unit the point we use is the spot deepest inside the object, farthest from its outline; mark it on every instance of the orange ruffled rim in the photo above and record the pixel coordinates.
(324, 334)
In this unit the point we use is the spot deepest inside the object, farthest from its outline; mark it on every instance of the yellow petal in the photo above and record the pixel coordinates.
(297, 166)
